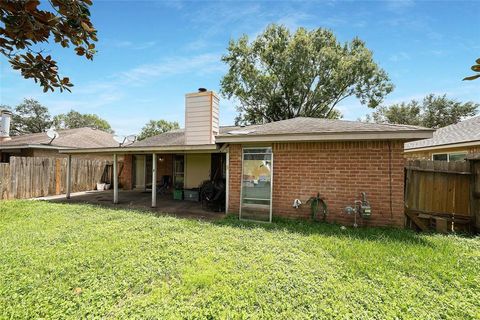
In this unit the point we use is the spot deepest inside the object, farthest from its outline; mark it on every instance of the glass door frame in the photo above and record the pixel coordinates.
(271, 182)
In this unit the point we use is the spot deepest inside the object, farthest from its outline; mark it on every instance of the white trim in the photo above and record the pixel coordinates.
(32, 146)
(445, 146)
(271, 181)
(341, 136)
(140, 150)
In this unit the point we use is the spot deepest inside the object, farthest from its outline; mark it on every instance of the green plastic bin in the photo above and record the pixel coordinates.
(177, 194)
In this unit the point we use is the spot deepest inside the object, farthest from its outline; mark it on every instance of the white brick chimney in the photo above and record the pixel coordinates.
(201, 117)
(5, 125)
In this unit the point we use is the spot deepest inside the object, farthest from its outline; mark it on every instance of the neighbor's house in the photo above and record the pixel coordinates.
(451, 143)
(266, 167)
(40, 145)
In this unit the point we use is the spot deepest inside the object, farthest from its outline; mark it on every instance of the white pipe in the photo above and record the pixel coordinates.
(115, 179)
(154, 180)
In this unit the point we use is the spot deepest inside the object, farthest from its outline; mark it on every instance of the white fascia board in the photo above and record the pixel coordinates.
(31, 146)
(137, 150)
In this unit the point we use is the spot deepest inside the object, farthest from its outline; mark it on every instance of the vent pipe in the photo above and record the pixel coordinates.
(5, 125)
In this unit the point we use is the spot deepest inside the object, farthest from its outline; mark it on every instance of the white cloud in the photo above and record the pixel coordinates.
(200, 64)
(400, 56)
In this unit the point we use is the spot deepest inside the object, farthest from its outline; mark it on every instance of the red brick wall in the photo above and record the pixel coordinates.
(126, 175)
(339, 171)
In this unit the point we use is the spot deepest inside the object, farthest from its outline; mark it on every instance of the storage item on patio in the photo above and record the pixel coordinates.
(164, 185)
(191, 194)
(100, 186)
(212, 195)
(177, 194)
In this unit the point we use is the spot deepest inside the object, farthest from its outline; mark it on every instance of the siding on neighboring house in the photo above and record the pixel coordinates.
(427, 154)
(340, 171)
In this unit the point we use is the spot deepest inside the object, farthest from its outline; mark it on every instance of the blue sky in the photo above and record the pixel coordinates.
(153, 52)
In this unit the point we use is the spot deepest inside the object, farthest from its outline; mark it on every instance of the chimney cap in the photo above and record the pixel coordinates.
(202, 89)
(5, 111)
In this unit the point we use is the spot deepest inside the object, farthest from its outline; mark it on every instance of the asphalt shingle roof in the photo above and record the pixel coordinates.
(290, 126)
(465, 131)
(315, 125)
(70, 138)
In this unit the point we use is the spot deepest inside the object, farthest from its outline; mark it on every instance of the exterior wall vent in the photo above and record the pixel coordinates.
(201, 117)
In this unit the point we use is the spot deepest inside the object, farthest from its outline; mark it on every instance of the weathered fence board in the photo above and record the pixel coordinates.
(31, 177)
(438, 190)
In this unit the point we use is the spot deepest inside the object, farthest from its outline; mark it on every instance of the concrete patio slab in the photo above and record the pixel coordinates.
(140, 200)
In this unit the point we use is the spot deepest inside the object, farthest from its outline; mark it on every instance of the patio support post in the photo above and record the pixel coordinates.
(115, 179)
(69, 175)
(154, 180)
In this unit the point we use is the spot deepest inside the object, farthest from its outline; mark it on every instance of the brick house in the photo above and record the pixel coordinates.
(266, 167)
(451, 143)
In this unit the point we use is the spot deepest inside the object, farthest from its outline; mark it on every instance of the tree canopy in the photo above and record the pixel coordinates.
(75, 119)
(432, 112)
(26, 25)
(282, 75)
(154, 127)
(29, 117)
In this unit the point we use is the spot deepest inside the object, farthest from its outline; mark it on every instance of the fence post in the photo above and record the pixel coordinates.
(69, 175)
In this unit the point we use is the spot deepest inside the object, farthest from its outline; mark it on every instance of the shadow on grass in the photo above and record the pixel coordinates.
(303, 227)
(309, 228)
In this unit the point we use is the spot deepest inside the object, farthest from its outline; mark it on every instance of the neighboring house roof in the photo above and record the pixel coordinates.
(297, 129)
(67, 139)
(462, 132)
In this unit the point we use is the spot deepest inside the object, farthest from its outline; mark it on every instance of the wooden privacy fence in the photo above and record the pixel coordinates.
(31, 177)
(438, 194)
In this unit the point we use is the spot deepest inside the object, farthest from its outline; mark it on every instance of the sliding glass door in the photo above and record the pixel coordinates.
(256, 193)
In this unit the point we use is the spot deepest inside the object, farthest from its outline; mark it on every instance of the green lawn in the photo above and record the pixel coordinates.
(77, 261)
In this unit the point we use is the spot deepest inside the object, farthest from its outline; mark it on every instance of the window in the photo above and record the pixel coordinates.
(440, 157)
(458, 156)
(256, 197)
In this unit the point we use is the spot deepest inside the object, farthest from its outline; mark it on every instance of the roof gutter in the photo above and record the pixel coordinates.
(343, 136)
(149, 149)
(31, 146)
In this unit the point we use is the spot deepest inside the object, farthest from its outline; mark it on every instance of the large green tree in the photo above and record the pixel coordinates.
(25, 25)
(154, 127)
(282, 75)
(432, 112)
(75, 119)
(29, 117)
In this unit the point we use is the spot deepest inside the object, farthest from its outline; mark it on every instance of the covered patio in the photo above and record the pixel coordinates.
(140, 200)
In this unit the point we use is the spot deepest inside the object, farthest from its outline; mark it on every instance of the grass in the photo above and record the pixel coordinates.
(79, 261)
